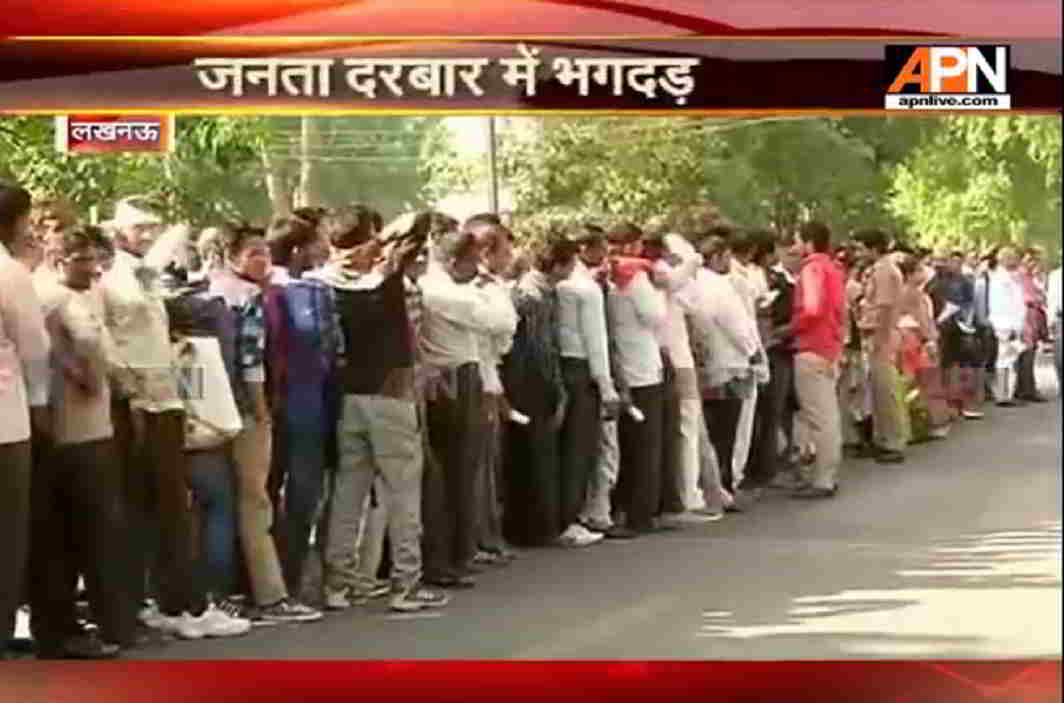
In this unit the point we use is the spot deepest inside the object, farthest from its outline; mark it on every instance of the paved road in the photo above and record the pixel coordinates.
(955, 554)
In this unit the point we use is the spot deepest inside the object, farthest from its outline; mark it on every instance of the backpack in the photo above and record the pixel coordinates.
(204, 332)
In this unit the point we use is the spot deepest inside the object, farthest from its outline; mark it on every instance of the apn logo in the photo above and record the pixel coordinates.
(948, 77)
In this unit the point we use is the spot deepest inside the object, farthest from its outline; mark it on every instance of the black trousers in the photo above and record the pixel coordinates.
(79, 525)
(1026, 386)
(769, 416)
(722, 423)
(638, 491)
(16, 460)
(532, 481)
(671, 500)
(579, 440)
(449, 495)
(158, 508)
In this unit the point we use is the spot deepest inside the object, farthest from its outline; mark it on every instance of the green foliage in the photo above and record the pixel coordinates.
(947, 180)
(987, 179)
(212, 173)
(764, 172)
(361, 159)
(218, 171)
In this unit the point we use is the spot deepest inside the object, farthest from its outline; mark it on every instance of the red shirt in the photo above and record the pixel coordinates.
(819, 305)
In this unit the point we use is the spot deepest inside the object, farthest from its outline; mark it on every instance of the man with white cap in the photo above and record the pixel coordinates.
(149, 419)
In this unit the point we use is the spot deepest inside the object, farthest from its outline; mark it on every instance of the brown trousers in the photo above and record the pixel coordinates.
(158, 507)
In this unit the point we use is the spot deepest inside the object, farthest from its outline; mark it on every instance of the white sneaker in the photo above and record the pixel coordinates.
(584, 537)
(184, 626)
(569, 537)
(217, 623)
(337, 599)
(693, 518)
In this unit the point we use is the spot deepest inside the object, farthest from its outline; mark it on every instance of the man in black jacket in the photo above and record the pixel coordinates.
(379, 433)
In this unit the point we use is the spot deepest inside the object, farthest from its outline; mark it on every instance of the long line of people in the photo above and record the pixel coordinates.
(195, 427)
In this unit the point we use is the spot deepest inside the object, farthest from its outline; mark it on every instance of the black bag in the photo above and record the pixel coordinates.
(970, 341)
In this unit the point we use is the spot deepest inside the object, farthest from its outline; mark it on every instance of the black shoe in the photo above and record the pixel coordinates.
(451, 581)
(748, 496)
(813, 493)
(658, 528)
(592, 526)
(890, 457)
(619, 532)
(736, 506)
(289, 611)
(87, 647)
(1034, 399)
(869, 451)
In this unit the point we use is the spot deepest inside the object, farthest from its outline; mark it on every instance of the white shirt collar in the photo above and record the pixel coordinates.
(280, 276)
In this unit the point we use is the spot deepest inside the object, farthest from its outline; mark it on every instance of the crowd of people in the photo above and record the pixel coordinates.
(195, 423)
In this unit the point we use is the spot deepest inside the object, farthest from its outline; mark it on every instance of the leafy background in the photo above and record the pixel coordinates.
(939, 181)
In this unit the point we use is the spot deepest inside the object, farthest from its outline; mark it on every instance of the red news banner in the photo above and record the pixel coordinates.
(533, 681)
(103, 134)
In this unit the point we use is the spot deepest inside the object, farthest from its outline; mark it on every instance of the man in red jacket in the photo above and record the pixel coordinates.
(819, 305)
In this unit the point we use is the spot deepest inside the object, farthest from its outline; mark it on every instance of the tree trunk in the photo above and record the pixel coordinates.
(280, 197)
(309, 192)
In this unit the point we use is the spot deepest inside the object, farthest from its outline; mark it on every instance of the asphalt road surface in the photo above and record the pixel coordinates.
(955, 554)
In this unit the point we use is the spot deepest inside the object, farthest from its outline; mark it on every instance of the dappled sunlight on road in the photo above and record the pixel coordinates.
(992, 594)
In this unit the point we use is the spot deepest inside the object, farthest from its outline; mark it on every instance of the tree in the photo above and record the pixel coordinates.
(226, 168)
(373, 160)
(985, 179)
(212, 174)
(770, 172)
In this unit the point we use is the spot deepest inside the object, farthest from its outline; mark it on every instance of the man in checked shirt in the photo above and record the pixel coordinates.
(241, 283)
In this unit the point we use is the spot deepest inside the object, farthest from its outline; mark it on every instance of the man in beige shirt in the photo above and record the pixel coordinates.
(881, 311)
(78, 513)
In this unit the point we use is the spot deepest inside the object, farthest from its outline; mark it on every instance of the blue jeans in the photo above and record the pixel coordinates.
(209, 476)
(302, 451)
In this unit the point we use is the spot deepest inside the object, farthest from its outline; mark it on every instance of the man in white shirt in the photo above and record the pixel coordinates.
(1053, 294)
(583, 338)
(752, 285)
(639, 313)
(675, 268)
(1008, 313)
(592, 263)
(728, 356)
(496, 245)
(24, 374)
(456, 314)
(147, 411)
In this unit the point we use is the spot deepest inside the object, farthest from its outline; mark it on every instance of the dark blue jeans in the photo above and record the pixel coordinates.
(301, 436)
(210, 478)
